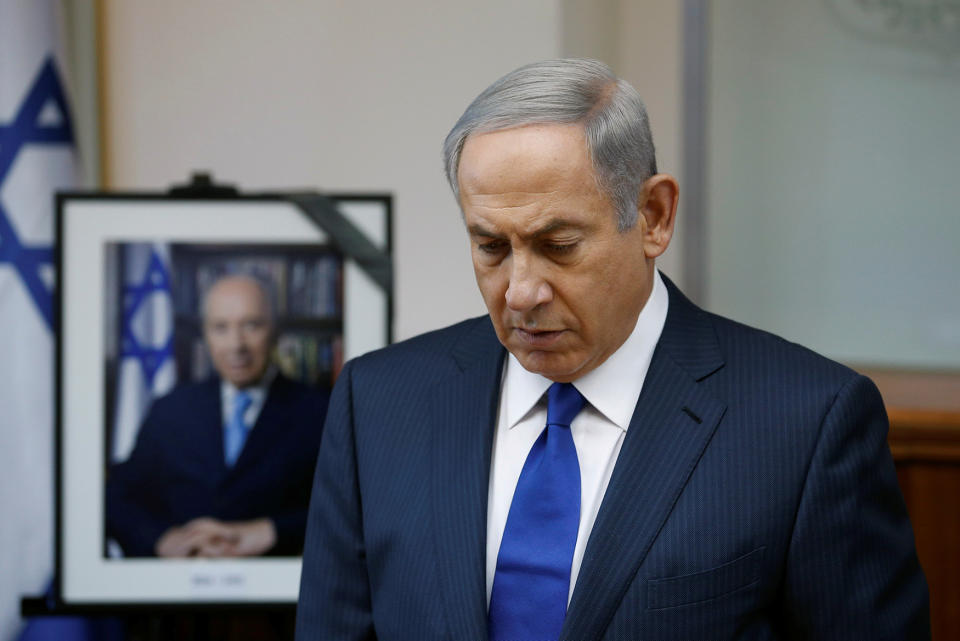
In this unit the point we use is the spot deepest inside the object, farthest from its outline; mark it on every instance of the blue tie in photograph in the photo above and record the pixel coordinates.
(236, 429)
(528, 601)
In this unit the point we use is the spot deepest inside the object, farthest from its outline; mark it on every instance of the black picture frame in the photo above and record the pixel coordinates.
(357, 227)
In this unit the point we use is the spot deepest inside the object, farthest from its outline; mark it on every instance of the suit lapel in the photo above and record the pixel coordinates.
(269, 424)
(671, 426)
(462, 411)
(209, 430)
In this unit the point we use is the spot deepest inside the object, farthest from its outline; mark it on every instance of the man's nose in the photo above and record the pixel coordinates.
(236, 339)
(527, 288)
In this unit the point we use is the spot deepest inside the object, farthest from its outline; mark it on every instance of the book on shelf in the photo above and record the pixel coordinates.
(308, 358)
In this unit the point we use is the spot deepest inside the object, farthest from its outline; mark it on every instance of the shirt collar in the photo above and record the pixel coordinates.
(257, 392)
(613, 388)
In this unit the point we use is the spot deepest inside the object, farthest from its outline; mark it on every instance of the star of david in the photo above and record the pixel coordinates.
(155, 279)
(26, 129)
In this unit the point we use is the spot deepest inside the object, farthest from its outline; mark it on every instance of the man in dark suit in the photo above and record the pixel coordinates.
(629, 466)
(222, 468)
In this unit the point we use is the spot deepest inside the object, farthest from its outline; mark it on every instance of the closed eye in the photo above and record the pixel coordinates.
(492, 247)
(560, 248)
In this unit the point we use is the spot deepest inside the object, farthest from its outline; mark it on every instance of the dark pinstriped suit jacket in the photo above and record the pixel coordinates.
(754, 498)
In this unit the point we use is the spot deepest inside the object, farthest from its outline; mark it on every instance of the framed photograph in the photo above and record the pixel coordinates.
(199, 341)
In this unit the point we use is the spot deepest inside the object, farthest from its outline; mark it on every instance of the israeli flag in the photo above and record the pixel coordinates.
(146, 367)
(37, 157)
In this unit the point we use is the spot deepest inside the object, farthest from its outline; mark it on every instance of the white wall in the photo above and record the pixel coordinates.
(349, 96)
(339, 96)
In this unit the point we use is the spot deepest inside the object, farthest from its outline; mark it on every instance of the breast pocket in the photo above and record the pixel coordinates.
(689, 589)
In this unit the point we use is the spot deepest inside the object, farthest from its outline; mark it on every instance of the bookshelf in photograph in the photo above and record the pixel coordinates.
(305, 284)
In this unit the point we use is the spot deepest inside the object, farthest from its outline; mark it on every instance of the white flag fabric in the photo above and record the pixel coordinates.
(146, 367)
(36, 158)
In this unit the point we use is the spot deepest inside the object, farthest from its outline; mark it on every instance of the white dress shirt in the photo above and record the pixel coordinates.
(611, 390)
(257, 393)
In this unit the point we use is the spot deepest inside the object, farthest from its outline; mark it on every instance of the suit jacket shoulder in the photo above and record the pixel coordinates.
(744, 365)
(431, 357)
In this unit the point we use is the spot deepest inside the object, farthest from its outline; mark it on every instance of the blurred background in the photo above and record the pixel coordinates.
(815, 143)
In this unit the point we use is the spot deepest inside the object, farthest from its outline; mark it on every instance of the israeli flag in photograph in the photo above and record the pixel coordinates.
(146, 366)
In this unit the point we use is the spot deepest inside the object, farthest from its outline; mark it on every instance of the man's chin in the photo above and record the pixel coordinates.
(241, 379)
(552, 365)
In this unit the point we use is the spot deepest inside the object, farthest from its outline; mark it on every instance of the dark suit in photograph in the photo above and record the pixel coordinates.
(754, 498)
(177, 471)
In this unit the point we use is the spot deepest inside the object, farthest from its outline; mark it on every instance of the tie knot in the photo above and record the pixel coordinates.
(564, 402)
(241, 402)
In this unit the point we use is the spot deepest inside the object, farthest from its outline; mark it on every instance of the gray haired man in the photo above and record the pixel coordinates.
(597, 458)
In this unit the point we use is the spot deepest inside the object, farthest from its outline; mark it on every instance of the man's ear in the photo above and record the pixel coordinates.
(657, 206)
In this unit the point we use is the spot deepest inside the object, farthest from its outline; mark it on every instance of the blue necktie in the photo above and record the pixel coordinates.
(235, 432)
(530, 587)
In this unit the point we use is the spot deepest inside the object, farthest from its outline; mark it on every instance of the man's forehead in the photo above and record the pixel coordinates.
(529, 181)
(235, 291)
(489, 160)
